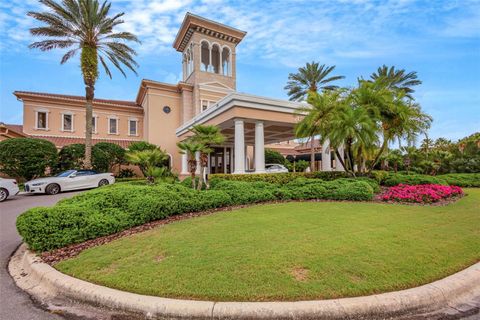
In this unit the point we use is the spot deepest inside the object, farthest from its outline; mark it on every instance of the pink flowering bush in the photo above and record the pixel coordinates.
(422, 193)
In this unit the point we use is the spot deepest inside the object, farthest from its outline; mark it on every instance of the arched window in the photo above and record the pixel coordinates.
(205, 56)
(226, 61)
(215, 58)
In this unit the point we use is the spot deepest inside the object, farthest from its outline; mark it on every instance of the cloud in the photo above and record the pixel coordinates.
(286, 32)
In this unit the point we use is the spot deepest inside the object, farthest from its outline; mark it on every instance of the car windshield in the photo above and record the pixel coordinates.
(65, 173)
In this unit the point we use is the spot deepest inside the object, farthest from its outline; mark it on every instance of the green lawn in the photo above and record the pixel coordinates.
(291, 251)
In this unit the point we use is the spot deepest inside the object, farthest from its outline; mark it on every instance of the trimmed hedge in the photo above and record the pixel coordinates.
(281, 178)
(412, 179)
(464, 180)
(117, 207)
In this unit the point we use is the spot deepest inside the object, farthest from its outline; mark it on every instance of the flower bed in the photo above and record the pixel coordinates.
(424, 193)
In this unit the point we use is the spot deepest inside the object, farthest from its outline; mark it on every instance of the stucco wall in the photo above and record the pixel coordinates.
(55, 113)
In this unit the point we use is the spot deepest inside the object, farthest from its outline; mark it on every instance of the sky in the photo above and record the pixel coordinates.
(440, 40)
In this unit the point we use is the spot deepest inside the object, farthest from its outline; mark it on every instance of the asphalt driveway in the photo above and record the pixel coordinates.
(14, 303)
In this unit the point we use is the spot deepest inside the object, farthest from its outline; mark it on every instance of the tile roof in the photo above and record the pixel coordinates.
(60, 142)
(14, 127)
(124, 103)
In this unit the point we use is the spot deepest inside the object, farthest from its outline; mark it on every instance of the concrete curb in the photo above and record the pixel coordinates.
(44, 282)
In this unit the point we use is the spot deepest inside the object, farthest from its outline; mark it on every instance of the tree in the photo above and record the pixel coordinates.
(351, 126)
(85, 26)
(316, 117)
(311, 78)
(190, 148)
(27, 158)
(273, 156)
(148, 160)
(397, 79)
(208, 136)
(145, 146)
(395, 159)
(308, 80)
(106, 155)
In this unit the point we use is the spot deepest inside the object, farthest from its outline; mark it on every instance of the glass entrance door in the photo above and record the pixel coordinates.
(220, 160)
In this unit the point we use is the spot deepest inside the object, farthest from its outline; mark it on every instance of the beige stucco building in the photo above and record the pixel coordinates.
(164, 113)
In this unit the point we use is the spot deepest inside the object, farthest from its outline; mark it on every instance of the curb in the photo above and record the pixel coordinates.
(44, 283)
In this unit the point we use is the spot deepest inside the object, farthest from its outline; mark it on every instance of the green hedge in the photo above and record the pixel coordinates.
(411, 179)
(117, 207)
(281, 178)
(462, 179)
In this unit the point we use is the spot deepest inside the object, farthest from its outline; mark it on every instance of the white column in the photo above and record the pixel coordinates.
(326, 157)
(239, 147)
(338, 164)
(197, 158)
(259, 148)
(224, 159)
(184, 164)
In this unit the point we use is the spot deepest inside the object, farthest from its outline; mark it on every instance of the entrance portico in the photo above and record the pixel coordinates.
(245, 120)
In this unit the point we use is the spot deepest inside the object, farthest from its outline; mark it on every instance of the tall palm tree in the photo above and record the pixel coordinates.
(190, 148)
(85, 26)
(208, 136)
(397, 79)
(310, 79)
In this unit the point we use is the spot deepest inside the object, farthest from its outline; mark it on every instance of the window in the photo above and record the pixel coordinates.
(94, 124)
(67, 122)
(215, 58)
(81, 173)
(112, 125)
(205, 56)
(226, 61)
(207, 104)
(132, 127)
(41, 120)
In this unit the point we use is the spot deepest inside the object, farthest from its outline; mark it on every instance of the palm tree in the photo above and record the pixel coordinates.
(316, 115)
(190, 148)
(310, 78)
(351, 126)
(397, 79)
(84, 25)
(207, 135)
(148, 161)
(426, 145)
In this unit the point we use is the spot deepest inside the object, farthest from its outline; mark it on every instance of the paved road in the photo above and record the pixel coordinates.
(14, 303)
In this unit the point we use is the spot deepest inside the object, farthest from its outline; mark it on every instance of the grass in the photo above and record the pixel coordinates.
(291, 251)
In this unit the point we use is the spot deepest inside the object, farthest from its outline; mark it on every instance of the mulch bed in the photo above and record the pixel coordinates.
(57, 255)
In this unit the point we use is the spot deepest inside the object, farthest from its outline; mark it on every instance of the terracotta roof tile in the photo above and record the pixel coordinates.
(132, 104)
(60, 142)
(14, 127)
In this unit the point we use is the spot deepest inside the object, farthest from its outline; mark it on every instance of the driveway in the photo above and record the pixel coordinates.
(14, 303)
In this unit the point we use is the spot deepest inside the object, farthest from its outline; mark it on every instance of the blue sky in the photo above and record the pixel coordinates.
(438, 39)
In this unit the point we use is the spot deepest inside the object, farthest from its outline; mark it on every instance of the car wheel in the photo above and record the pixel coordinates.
(3, 194)
(103, 182)
(52, 189)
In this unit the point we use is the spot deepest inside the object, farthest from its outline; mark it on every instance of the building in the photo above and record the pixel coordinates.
(164, 113)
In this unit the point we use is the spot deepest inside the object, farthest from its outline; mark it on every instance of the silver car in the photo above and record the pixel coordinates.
(275, 168)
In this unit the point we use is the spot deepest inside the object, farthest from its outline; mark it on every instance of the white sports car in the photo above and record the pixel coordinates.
(69, 180)
(8, 188)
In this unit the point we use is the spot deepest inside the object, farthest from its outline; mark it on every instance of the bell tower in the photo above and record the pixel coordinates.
(208, 58)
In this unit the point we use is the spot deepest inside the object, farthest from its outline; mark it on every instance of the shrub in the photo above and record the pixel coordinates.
(462, 179)
(126, 173)
(114, 208)
(27, 158)
(104, 156)
(281, 178)
(425, 193)
(412, 179)
(272, 156)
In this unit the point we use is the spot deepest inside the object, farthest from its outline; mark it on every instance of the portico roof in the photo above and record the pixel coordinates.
(279, 116)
